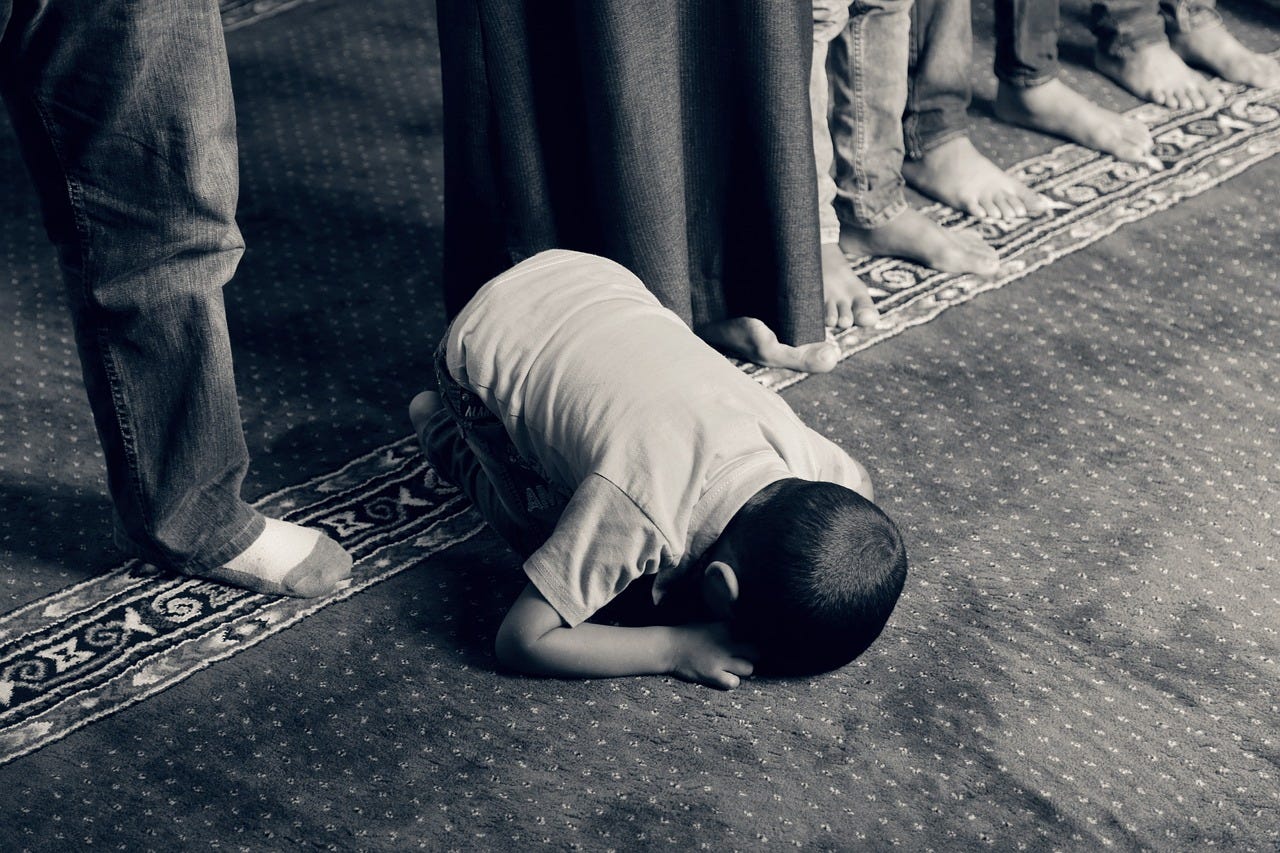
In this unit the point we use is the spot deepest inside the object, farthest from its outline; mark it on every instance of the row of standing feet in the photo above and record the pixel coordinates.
(957, 174)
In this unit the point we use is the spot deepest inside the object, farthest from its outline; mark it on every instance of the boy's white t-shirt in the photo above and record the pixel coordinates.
(659, 437)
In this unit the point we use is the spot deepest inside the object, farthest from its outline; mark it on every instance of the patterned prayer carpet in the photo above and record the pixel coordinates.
(1082, 453)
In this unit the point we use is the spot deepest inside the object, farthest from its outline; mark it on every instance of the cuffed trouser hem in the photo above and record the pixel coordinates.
(920, 144)
(234, 547)
(872, 217)
(1126, 46)
(1027, 79)
(211, 558)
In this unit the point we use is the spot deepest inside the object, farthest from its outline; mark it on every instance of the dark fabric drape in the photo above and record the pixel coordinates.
(672, 136)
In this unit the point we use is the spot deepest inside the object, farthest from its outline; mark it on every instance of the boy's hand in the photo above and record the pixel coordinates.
(706, 654)
(534, 639)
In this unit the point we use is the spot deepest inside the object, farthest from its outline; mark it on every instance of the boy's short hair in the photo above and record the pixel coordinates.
(819, 570)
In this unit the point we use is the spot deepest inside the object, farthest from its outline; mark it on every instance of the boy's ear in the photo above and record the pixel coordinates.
(720, 585)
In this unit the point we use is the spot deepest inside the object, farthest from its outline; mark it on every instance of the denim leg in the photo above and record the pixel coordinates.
(468, 446)
(829, 19)
(939, 93)
(1026, 42)
(867, 68)
(123, 110)
(1123, 26)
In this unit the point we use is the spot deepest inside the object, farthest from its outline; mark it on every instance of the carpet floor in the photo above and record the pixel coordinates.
(1082, 454)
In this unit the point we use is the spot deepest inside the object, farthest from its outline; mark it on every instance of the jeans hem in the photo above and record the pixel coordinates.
(1123, 49)
(234, 547)
(883, 215)
(1027, 79)
(923, 146)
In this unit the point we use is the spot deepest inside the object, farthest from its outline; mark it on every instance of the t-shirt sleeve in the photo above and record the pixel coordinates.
(602, 542)
(836, 466)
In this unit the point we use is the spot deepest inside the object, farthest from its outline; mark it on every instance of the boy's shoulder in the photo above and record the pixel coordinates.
(602, 542)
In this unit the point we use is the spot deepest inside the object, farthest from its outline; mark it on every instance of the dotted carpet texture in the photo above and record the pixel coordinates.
(1084, 464)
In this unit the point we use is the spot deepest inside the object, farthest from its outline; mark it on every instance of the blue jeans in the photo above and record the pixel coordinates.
(1027, 32)
(939, 88)
(468, 446)
(866, 44)
(124, 115)
(1123, 26)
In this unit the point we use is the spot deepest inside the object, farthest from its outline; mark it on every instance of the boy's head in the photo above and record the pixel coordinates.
(808, 572)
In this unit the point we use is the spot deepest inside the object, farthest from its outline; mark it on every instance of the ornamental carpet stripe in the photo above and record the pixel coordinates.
(87, 651)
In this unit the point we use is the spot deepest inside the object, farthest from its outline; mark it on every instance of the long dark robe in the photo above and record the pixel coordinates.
(672, 136)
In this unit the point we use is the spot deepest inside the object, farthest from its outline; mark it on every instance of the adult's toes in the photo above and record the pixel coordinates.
(821, 357)
(864, 310)
(831, 312)
(1011, 206)
(976, 255)
(1130, 152)
(989, 208)
(1135, 134)
(845, 316)
(1034, 203)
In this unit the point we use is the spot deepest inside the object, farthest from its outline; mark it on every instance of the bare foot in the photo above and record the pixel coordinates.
(1211, 47)
(1054, 107)
(1159, 75)
(844, 295)
(916, 237)
(957, 174)
(751, 340)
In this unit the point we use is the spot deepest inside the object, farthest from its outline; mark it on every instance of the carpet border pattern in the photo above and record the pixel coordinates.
(1091, 195)
(97, 647)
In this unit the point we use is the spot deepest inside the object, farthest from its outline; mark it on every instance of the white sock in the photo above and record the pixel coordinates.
(287, 559)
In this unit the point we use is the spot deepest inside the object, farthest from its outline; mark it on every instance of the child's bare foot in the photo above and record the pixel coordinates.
(1054, 107)
(916, 237)
(1154, 72)
(287, 559)
(844, 295)
(957, 174)
(751, 340)
(1210, 46)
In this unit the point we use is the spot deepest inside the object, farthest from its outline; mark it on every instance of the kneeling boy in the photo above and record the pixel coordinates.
(605, 441)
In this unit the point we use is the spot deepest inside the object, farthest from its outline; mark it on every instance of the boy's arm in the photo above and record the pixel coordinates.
(534, 639)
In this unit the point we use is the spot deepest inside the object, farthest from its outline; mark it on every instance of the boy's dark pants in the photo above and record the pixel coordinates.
(468, 446)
